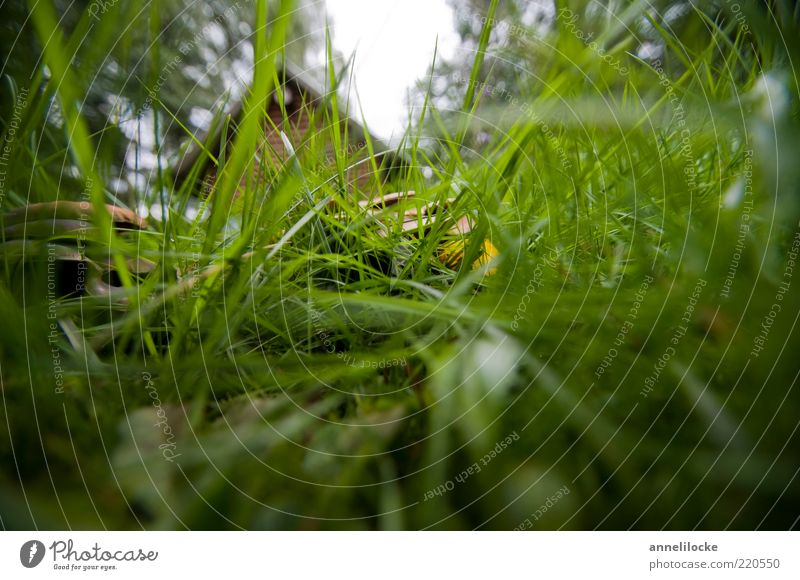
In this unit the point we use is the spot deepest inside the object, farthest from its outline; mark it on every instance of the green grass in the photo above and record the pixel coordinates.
(259, 327)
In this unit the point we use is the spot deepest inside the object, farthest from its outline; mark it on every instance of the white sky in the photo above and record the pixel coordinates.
(393, 42)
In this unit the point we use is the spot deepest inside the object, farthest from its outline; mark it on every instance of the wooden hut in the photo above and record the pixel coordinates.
(303, 98)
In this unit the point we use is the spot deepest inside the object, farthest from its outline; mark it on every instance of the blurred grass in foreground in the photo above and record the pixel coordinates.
(646, 224)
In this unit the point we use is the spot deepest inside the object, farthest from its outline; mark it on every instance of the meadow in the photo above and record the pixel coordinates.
(623, 360)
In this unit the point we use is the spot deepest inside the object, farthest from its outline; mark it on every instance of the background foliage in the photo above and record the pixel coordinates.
(253, 379)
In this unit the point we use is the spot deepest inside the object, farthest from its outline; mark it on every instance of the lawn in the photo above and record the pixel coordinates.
(623, 358)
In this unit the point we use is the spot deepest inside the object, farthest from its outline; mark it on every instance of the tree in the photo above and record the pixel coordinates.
(152, 72)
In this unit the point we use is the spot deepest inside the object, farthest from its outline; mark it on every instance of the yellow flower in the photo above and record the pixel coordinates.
(421, 216)
(451, 254)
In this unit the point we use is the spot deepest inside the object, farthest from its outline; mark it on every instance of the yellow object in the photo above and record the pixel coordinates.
(451, 254)
(413, 219)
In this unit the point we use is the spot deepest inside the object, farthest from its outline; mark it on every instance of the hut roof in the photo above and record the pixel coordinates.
(315, 93)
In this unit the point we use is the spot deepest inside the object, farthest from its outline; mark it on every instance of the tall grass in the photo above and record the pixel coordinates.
(292, 362)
